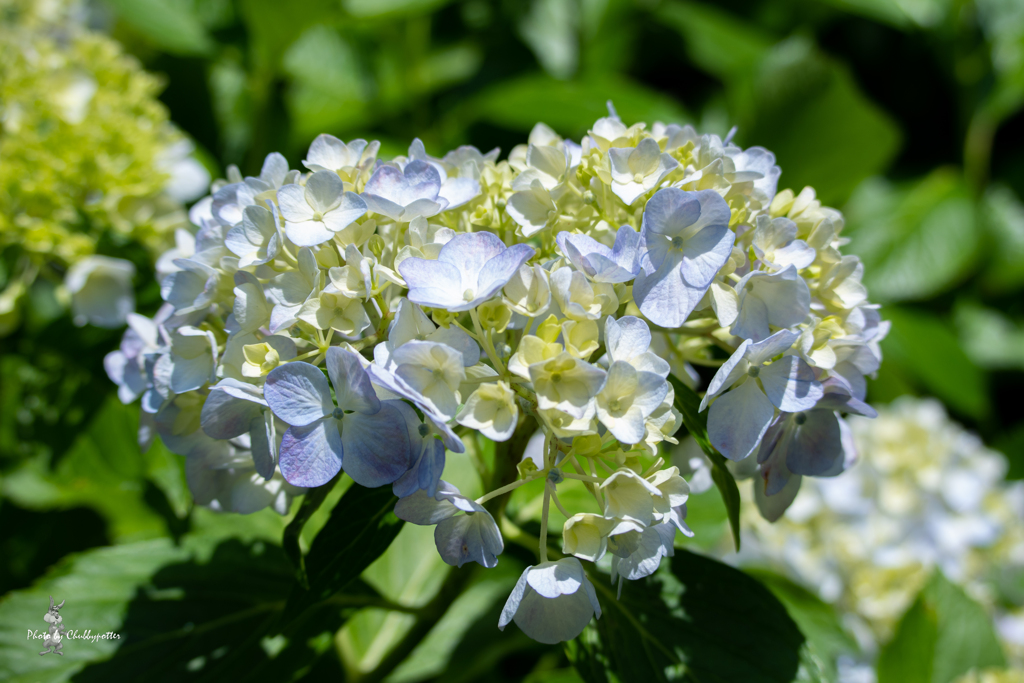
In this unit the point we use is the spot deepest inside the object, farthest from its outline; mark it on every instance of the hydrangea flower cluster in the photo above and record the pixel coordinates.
(88, 152)
(925, 494)
(366, 315)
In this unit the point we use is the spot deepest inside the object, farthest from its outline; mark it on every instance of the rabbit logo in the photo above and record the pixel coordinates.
(54, 638)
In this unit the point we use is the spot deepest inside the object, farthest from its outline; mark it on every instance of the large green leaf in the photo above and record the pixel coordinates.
(189, 612)
(1003, 217)
(391, 9)
(902, 14)
(105, 470)
(716, 41)
(701, 621)
(789, 97)
(168, 25)
(943, 635)
(990, 337)
(472, 617)
(328, 90)
(823, 129)
(826, 637)
(273, 26)
(924, 348)
(915, 242)
(361, 527)
(570, 107)
(688, 404)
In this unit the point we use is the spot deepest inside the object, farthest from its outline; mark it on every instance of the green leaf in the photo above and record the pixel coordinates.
(991, 338)
(434, 653)
(104, 470)
(1003, 217)
(391, 9)
(569, 107)
(826, 637)
(923, 347)
(170, 26)
(810, 112)
(901, 14)
(688, 404)
(551, 30)
(789, 97)
(1011, 444)
(189, 612)
(916, 241)
(909, 657)
(360, 528)
(273, 26)
(716, 41)
(943, 635)
(409, 573)
(328, 90)
(701, 621)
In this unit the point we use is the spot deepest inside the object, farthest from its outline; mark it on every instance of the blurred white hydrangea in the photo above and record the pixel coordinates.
(924, 494)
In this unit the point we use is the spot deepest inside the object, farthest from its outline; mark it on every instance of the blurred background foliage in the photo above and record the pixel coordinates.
(908, 115)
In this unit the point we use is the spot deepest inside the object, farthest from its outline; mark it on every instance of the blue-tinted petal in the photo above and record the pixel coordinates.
(497, 271)
(298, 393)
(377, 448)
(790, 384)
(225, 416)
(311, 454)
(352, 386)
(737, 420)
(816, 445)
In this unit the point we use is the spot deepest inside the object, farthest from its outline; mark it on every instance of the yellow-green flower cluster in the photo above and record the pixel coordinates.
(87, 148)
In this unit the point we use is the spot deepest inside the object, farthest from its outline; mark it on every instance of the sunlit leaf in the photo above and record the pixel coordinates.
(170, 26)
(991, 338)
(943, 635)
(718, 42)
(1003, 217)
(683, 625)
(924, 348)
(915, 242)
(189, 612)
(570, 107)
(361, 527)
(375, 9)
(817, 620)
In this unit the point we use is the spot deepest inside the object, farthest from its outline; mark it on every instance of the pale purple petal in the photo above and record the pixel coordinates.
(705, 254)
(663, 296)
(458, 191)
(752, 320)
(292, 201)
(352, 386)
(817, 444)
(323, 191)
(225, 416)
(432, 283)
(790, 384)
(307, 233)
(298, 393)
(496, 273)
(469, 251)
(738, 420)
(376, 446)
(311, 454)
(764, 350)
